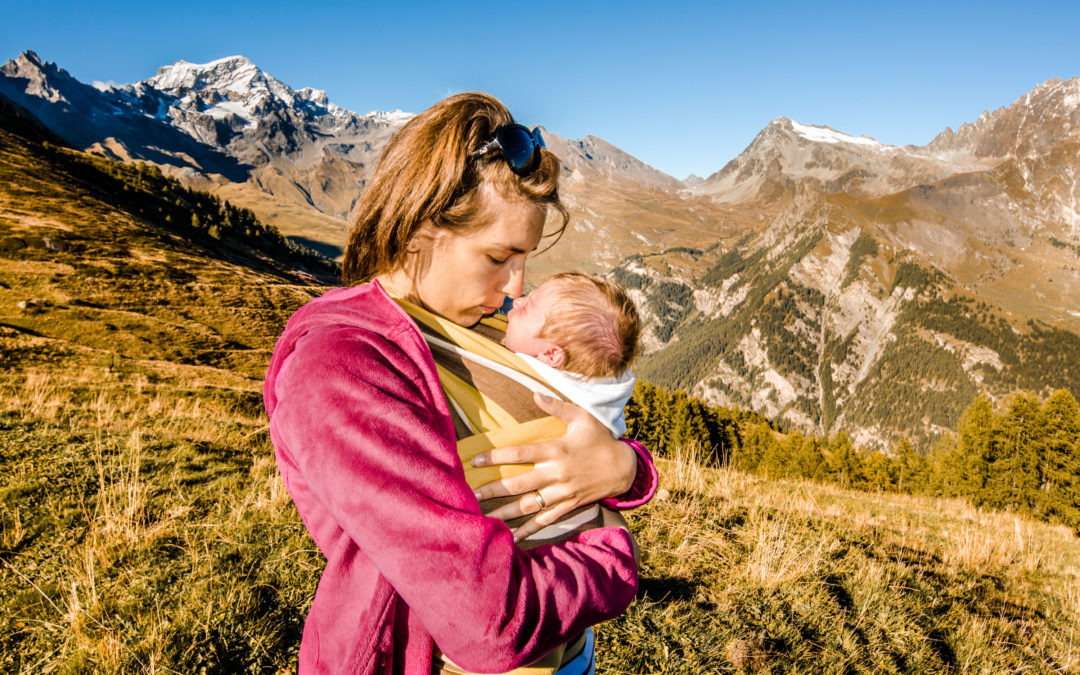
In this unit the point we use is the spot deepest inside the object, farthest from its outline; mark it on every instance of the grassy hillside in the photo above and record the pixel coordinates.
(142, 524)
(748, 575)
(143, 527)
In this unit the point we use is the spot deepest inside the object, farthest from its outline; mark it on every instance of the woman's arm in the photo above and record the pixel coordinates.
(366, 433)
(585, 465)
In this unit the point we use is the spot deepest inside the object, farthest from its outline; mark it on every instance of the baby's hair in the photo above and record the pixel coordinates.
(595, 322)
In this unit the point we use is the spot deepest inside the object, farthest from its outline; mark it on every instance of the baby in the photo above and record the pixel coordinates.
(580, 334)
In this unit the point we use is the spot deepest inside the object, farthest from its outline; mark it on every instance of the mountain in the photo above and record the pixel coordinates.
(300, 161)
(876, 288)
(826, 280)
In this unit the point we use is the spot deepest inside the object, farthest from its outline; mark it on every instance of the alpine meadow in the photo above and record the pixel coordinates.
(860, 377)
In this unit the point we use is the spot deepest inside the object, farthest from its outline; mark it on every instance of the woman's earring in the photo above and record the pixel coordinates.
(412, 247)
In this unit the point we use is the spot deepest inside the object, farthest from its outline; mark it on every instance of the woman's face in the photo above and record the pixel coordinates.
(464, 276)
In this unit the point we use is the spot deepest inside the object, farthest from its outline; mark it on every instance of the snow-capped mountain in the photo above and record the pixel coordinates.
(231, 104)
(228, 118)
(787, 151)
(828, 280)
(876, 288)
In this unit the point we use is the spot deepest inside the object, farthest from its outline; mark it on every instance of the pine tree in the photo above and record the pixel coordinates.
(970, 466)
(1060, 458)
(759, 442)
(1014, 472)
(913, 469)
(844, 465)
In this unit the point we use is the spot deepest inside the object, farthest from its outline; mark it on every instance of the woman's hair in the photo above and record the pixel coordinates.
(595, 322)
(425, 174)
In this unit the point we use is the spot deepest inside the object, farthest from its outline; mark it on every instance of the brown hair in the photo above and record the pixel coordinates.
(595, 322)
(425, 174)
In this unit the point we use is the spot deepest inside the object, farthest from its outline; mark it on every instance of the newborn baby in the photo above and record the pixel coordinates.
(580, 333)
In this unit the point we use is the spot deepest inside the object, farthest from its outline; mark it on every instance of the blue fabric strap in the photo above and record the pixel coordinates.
(585, 662)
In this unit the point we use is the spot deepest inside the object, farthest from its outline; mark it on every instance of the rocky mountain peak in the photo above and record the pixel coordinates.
(594, 155)
(31, 57)
(1029, 127)
(32, 82)
(233, 78)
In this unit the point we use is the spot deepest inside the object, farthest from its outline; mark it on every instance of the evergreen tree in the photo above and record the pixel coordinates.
(844, 465)
(759, 442)
(913, 473)
(1014, 472)
(970, 469)
(1060, 458)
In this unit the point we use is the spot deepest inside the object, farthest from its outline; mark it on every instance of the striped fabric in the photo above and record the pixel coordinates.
(489, 389)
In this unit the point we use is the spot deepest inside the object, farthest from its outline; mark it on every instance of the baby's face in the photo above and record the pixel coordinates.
(527, 319)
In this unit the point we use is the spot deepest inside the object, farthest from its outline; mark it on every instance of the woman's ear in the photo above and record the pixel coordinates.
(553, 355)
(422, 238)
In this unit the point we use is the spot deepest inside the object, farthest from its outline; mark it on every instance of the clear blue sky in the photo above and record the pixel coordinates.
(683, 86)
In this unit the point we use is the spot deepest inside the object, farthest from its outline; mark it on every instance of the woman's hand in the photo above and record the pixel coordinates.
(583, 466)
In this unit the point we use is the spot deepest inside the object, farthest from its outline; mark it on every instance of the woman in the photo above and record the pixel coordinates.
(365, 441)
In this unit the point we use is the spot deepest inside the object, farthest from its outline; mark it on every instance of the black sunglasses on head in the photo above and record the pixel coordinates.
(520, 147)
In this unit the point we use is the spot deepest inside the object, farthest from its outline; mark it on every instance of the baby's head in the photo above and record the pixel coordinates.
(578, 323)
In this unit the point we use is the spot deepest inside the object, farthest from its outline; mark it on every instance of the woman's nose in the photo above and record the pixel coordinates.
(515, 281)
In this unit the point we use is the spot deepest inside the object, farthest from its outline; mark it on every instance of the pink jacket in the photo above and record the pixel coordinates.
(365, 444)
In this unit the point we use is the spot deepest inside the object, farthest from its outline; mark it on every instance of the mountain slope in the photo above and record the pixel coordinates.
(882, 287)
(137, 482)
(300, 162)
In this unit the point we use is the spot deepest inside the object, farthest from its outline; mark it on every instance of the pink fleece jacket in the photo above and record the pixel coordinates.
(365, 444)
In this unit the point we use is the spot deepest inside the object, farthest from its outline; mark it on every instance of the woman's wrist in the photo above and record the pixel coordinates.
(643, 483)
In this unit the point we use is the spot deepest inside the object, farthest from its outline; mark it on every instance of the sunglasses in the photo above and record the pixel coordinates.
(519, 146)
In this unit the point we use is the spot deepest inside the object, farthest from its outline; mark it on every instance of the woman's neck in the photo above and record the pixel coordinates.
(399, 285)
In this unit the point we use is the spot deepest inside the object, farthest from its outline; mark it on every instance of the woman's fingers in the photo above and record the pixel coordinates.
(565, 411)
(524, 505)
(513, 485)
(584, 465)
(542, 519)
(530, 453)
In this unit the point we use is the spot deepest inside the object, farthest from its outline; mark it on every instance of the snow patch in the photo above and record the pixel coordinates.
(226, 108)
(827, 135)
(389, 116)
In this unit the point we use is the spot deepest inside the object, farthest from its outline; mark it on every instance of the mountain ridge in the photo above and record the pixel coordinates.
(811, 278)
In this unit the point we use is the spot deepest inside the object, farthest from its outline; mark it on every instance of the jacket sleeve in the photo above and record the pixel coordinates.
(362, 426)
(645, 482)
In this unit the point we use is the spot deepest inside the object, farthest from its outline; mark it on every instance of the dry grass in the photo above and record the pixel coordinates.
(742, 574)
(154, 556)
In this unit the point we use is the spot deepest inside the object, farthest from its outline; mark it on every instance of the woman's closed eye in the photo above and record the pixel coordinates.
(497, 261)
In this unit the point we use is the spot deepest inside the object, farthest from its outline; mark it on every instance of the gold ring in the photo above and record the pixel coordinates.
(540, 499)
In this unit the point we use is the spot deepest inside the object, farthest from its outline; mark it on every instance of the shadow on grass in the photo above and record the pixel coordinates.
(666, 589)
(329, 250)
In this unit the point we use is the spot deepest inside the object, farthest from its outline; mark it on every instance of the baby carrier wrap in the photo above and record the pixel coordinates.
(489, 389)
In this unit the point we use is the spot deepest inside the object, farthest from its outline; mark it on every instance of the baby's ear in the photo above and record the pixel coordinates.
(553, 355)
